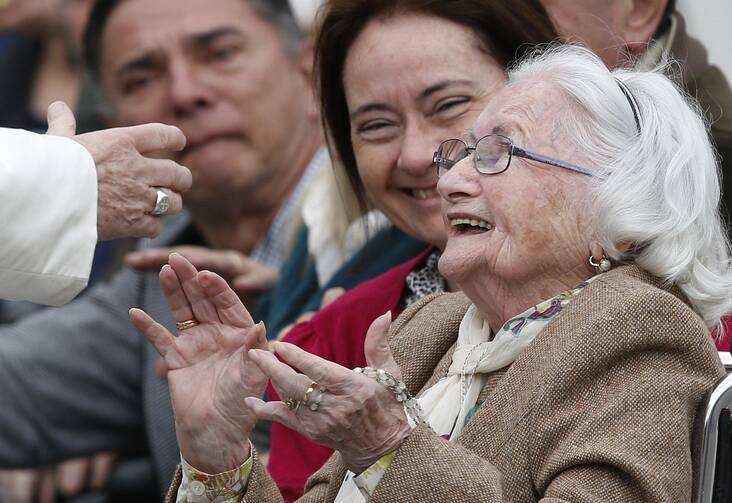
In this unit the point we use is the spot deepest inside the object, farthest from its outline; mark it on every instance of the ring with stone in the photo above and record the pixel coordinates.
(313, 400)
(162, 203)
(292, 404)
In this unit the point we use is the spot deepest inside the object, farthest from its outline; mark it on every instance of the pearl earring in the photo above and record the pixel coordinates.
(603, 266)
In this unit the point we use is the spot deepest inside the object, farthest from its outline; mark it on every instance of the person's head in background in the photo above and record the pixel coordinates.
(230, 74)
(43, 64)
(397, 78)
(66, 18)
(619, 31)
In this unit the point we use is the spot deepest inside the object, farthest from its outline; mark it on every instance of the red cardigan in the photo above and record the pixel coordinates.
(337, 334)
(725, 342)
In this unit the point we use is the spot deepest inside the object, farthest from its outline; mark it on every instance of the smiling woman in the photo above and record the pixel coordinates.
(546, 380)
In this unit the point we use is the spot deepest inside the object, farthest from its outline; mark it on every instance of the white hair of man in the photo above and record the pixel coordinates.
(655, 197)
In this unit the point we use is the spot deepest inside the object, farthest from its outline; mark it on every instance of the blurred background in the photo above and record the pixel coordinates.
(711, 21)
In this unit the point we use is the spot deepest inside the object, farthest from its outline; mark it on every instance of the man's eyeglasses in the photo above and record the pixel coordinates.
(493, 155)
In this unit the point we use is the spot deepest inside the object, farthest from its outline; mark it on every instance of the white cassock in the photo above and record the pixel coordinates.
(48, 210)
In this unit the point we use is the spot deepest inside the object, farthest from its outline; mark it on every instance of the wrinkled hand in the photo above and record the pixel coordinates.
(209, 370)
(69, 478)
(358, 417)
(126, 178)
(245, 275)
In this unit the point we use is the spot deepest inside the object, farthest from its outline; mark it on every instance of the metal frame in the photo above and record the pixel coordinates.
(720, 398)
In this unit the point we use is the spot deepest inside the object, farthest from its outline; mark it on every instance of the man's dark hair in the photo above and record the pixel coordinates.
(277, 12)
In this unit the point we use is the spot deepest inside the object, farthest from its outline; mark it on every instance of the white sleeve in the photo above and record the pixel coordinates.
(48, 209)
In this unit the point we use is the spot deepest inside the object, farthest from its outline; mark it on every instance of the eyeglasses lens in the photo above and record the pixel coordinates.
(492, 154)
(450, 153)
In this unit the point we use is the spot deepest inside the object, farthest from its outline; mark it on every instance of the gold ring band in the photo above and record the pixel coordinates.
(314, 404)
(183, 325)
(313, 386)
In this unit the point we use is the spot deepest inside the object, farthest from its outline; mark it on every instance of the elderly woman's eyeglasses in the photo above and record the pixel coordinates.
(493, 154)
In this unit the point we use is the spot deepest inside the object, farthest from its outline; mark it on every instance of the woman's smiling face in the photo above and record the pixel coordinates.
(411, 82)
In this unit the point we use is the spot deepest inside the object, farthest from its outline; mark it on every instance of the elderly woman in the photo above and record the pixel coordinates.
(396, 78)
(583, 229)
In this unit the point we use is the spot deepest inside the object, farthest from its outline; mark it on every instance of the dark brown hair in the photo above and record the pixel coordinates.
(507, 28)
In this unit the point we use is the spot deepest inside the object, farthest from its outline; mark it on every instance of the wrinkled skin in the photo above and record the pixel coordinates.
(125, 176)
(218, 370)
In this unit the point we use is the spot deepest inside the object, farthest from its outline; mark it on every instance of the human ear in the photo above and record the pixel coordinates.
(306, 69)
(641, 22)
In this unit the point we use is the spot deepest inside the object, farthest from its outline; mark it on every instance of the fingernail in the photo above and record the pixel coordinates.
(55, 109)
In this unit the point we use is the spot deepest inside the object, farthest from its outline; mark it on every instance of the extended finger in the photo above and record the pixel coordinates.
(201, 258)
(330, 296)
(101, 469)
(274, 411)
(305, 317)
(148, 260)
(376, 346)
(324, 372)
(47, 487)
(165, 173)
(174, 295)
(203, 309)
(71, 476)
(287, 382)
(154, 137)
(19, 486)
(258, 278)
(227, 303)
(61, 120)
(158, 335)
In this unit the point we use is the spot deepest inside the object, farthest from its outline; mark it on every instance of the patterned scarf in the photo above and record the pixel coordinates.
(451, 402)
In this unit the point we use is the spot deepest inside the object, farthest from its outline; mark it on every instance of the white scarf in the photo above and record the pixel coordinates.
(448, 402)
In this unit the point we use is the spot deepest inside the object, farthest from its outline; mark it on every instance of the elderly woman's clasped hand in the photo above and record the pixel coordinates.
(218, 369)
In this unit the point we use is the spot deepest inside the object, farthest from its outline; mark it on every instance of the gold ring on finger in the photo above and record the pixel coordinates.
(313, 386)
(313, 396)
(183, 325)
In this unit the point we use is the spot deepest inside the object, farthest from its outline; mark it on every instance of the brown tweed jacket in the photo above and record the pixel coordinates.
(601, 407)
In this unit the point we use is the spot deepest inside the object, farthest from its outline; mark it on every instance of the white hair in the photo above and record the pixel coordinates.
(656, 187)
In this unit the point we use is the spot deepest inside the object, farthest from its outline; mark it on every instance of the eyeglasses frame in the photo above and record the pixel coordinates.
(512, 151)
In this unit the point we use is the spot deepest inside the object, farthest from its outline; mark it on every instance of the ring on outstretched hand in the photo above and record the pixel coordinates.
(292, 404)
(182, 325)
(162, 203)
(315, 402)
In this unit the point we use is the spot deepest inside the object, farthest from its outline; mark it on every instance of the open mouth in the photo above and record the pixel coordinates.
(424, 194)
(470, 225)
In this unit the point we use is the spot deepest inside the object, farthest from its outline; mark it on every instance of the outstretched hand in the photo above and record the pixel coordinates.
(356, 416)
(209, 368)
(128, 175)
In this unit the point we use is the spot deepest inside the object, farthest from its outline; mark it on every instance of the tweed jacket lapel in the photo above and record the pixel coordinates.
(421, 359)
(503, 407)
